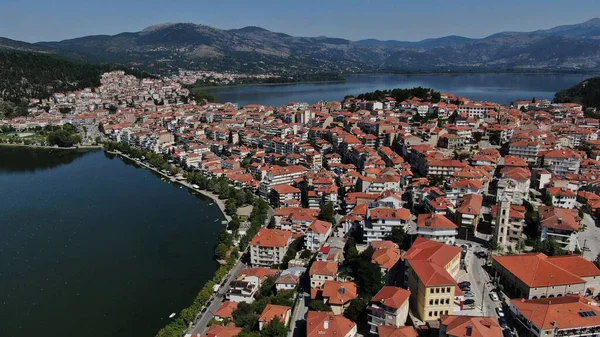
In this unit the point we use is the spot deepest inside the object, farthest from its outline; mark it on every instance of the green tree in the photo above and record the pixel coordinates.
(271, 224)
(597, 260)
(398, 236)
(275, 328)
(350, 250)
(234, 224)
(327, 213)
(230, 207)
(549, 247)
(221, 251)
(548, 200)
(319, 305)
(357, 311)
(306, 254)
(266, 289)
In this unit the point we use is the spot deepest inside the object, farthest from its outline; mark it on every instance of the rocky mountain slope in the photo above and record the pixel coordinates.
(253, 49)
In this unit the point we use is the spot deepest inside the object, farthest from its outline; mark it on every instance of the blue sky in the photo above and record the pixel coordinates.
(46, 20)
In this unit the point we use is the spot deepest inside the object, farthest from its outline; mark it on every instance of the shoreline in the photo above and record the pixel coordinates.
(220, 204)
(216, 87)
(84, 147)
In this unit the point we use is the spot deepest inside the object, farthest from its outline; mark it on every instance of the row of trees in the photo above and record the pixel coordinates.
(235, 197)
(400, 94)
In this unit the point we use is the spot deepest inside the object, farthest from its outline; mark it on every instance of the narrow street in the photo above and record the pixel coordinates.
(589, 239)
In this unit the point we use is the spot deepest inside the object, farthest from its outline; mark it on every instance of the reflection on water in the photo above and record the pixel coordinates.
(18, 159)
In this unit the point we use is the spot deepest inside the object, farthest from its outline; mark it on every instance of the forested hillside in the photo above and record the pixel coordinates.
(25, 75)
(586, 93)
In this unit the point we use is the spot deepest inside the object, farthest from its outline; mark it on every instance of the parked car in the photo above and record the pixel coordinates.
(464, 284)
(469, 302)
(465, 288)
(494, 297)
(500, 312)
(502, 322)
(481, 254)
(469, 294)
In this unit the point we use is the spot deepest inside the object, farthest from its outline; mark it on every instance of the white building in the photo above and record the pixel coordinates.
(437, 227)
(268, 247)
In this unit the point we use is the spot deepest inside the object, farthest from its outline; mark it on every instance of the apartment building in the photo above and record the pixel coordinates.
(562, 197)
(268, 247)
(282, 194)
(321, 271)
(526, 149)
(561, 162)
(560, 224)
(468, 212)
(508, 222)
(437, 227)
(327, 324)
(388, 307)
(316, 235)
(280, 175)
(380, 221)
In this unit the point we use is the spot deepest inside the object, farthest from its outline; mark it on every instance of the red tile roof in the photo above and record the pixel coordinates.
(457, 326)
(271, 311)
(328, 268)
(392, 297)
(226, 309)
(326, 324)
(222, 331)
(339, 293)
(392, 331)
(559, 312)
(435, 221)
(536, 271)
(271, 238)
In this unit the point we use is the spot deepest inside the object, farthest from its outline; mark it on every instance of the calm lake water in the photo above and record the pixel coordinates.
(93, 246)
(500, 88)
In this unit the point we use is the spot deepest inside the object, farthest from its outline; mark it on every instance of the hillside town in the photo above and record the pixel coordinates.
(393, 218)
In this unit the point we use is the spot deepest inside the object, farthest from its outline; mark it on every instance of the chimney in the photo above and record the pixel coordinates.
(326, 324)
(559, 220)
(469, 330)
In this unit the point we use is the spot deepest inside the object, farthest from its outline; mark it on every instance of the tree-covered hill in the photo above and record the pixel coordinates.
(586, 93)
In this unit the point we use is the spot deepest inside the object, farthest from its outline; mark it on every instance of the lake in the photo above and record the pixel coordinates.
(500, 88)
(91, 245)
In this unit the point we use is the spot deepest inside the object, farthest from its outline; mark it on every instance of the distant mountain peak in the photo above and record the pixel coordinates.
(250, 29)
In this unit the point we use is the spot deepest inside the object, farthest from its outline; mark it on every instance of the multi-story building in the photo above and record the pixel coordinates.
(561, 162)
(526, 149)
(281, 194)
(536, 275)
(429, 271)
(316, 235)
(437, 227)
(561, 225)
(468, 212)
(514, 183)
(570, 315)
(380, 221)
(271, 312)
(321, 271)
(268, 247)
(337, 294)
(561, 197)
(280, 175)
(388, 307)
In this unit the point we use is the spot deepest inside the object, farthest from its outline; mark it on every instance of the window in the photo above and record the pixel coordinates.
(430, 314)
(448, 289)
(430, 302)
(435, 313)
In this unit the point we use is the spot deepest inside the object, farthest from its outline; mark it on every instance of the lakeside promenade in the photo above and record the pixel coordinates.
(208, 194)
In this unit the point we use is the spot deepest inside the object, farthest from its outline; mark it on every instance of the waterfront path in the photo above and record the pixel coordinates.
(202, 319)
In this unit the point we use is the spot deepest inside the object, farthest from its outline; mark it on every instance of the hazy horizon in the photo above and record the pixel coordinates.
(38, 20)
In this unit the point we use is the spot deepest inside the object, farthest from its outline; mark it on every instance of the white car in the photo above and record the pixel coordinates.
(494, 297)
(500, 312)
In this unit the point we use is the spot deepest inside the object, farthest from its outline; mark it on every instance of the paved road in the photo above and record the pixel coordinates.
(590, 238)
(479, 283)
(215, 302)
(298, 319)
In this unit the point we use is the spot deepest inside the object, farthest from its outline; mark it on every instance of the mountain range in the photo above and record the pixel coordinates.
(170, 46)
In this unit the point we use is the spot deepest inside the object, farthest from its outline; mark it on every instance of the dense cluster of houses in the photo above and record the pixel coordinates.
(439, 171)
